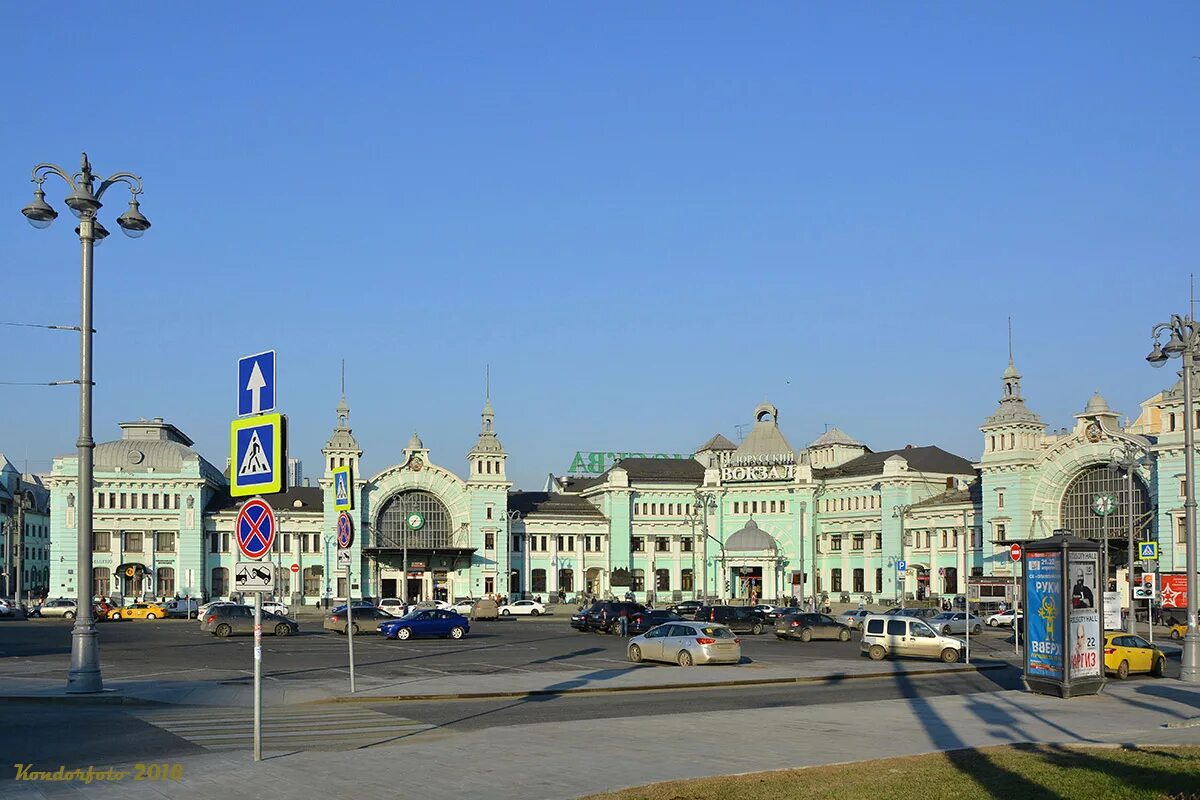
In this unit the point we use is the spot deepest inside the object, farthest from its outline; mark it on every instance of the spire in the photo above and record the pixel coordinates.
(342, 439)
(488, 443)
(1012, 405)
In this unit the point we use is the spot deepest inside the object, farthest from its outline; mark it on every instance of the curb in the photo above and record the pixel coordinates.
(665, 687)
(107, 697)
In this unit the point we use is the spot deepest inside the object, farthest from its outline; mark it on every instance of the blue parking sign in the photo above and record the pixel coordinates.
(901, 566)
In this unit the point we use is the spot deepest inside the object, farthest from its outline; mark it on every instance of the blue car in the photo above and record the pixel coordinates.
(426, 622)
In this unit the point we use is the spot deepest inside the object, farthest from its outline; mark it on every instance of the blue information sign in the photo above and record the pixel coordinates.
(1043, 592)
(256, 383)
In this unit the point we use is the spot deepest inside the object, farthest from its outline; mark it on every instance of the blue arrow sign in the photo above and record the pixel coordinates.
(256, 383)
(901, 566)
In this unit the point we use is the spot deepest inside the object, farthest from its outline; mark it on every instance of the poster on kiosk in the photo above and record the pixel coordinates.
(1061, 627)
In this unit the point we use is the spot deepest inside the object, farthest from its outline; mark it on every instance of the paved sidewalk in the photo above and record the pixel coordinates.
(528, 762)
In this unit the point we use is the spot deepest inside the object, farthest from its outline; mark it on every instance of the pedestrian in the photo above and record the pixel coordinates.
(624, 624)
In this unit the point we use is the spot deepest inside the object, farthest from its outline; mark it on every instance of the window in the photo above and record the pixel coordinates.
(566, 580)
(489, 540)
(685, 544)
(112, 500)
(145, 498)
(123, 497)
(587, 544)
(772, 506)
(213, 543)
(166, 581)
(164, 542)
(879, 541)
(754, 507)
(558, 542)
(976, 572)
(597, 548)
(857, 585)
(999, 499)
(101, 582)
(516, 544)
(312, 581)
(176, 502)
(662, 544)
(878, 580)
(153, 501)
(275, 545)
(538, 580)
(1183, 487)
(835, 544)
(219, 585)
(856, 543)
(100, 500)
(224, 542)
(662, 580)
(489, 585)
(102, 541)
(570, 542)
(133, 542)
(944, 539)
(783, 506)
(1181, 530)
(835, 580)
(638, 544)
(1000, 532)
(542, 540)
(637, 580)
(687, 580)
(488, 509)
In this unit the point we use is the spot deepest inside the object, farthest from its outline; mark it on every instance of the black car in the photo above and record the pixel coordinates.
(606, 615)
(686, 609)
(579, 620)
(807, 626)
(739, 619)
(645, 620)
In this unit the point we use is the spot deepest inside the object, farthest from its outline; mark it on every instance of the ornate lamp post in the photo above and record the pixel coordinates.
(703, 505)
(899, 512)
(84, 675)
(1128, 457)
(1185, 336)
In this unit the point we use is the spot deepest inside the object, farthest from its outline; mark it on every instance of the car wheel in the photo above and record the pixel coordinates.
(116, 615)
(282, 629)
(223, 630)
(684, 659)
(71, 615)
(456, 632)
(404, 634)
(151, 616)
(949, 655)
(977, 629)
(757, 629)
(354, 629)
(806, 635)
(992, 623)
(505, 613)
(877, 652)
(534, 613)
(1159, 665)
(946, 630)
(635, 654)
(1123, 670)
(1175, 635)
(844, 636)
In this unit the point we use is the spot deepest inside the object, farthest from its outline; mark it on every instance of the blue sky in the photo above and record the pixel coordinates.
(646, 220)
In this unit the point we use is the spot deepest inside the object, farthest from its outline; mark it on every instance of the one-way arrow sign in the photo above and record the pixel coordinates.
(256, 383)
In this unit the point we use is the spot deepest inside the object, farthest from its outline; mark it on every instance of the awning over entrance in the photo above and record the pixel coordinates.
(443, 558)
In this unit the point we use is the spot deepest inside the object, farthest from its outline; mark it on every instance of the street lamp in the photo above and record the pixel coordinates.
(899, 512)
(84, 675)
(702, 507)
(1128, 457)
(1185, 336)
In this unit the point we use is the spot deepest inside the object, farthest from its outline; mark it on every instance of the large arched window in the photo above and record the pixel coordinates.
(1077, 513)
(394, 522)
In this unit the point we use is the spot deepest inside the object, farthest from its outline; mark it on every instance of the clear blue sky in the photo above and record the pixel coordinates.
(646, 220)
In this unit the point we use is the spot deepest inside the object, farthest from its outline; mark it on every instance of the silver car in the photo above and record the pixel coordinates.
(687, 643)
(59, 607)
(853, 618)
(949, 622)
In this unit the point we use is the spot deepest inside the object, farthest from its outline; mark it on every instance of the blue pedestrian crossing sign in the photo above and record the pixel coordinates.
(901, 566)
(1148, 551)
(257, 455)
(343, 489)
(256, 383)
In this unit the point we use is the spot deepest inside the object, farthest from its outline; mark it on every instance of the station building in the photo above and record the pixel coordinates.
(756, 519)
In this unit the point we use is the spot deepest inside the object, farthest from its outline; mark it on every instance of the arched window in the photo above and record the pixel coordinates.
(166, 582)
(219, 585)
(537, 580)
(566, 580)
(393, 528)
(662, 580)
(312, 580)
(1076, 510)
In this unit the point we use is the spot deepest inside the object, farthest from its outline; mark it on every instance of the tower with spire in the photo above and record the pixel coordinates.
(342, 449)
(1014, 431)
(487, 488)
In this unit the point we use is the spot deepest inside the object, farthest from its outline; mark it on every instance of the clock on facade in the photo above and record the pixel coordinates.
(416, 521)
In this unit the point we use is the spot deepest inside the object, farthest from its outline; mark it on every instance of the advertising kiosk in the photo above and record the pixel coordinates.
(1062, 594)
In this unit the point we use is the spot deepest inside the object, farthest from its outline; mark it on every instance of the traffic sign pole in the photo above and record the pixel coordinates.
(257, 676)
(350, 626)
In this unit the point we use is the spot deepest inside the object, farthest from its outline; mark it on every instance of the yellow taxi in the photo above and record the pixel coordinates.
(1177, 631)
(139, 611)
(1126, 652)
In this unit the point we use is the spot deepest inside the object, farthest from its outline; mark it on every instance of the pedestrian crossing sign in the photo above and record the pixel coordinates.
(343, 489)
(257, 455)
(1148, 551)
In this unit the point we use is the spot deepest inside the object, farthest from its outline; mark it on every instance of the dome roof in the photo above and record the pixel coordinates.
(750, 538)
(1011, 372)
(1097, 405)
(836, 435)
(415, 443)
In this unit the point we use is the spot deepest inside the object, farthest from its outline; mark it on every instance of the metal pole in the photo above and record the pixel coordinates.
(258, 676)
(1191, 639)
(84, 674)
(800, 543)
(1103, 565)
(1016, 600)
(19, 540)
(350, 627)
(902, 587)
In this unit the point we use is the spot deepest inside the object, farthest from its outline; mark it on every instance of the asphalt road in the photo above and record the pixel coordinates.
(179, 650)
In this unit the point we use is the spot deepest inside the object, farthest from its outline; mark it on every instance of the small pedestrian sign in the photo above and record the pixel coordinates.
(343, 489)
(1148, 551)
(257, 455)
(901, 566)
(256, 383)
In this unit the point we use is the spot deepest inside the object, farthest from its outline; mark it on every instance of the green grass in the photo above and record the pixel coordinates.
(1023, 772)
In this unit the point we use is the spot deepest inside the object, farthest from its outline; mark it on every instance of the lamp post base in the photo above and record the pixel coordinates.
(84, 676)
(1191, 658)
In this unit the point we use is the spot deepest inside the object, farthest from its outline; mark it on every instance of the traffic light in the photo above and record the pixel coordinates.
(1146, 587)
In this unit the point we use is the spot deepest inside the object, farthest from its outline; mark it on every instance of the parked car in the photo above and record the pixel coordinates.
(807, 626)
(737, 618)
(1004, 618)
(770, 612)
(139, 611)
(438, 604)
(463, 605)
(605, 615)
(276, 607)
(1127, 652)
(394, 606)
(526, 607)
(956, 622)
(426, 622)
(227, 620)
(643, 621)
(686, 609)
(182, 608)
(885, 636)
(484, 608)
(579, 620)
(203, 610)
(7, 609)
(687, 643)
(853, 619)
(915, 613)
(58, 607)
(358, 604)
(364, 620)
(1178, 631)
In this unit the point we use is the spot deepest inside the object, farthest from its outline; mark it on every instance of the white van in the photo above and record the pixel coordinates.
(885, 636)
